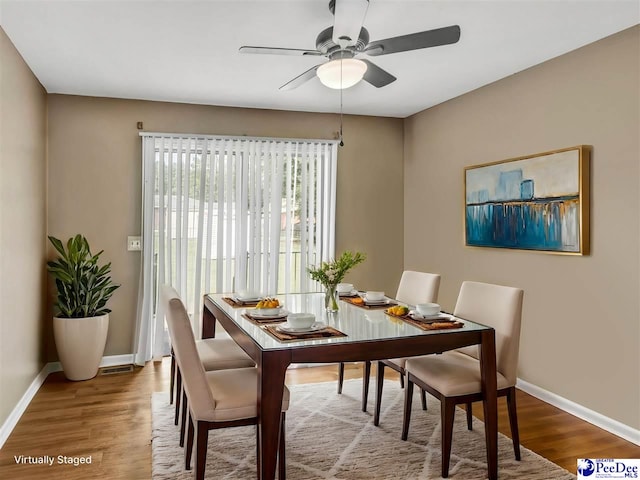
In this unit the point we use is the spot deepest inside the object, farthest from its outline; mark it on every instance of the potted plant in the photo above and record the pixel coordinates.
(82, 319)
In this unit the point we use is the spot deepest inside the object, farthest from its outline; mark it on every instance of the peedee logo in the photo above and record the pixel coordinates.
(609, 468)
(586, 467)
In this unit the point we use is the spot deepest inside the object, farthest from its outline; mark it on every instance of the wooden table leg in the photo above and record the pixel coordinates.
(208, 323)
(366, 373)
(271, 372)
(489, 390)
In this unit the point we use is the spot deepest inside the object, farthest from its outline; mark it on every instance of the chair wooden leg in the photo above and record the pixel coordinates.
(469, 416)
(513, 421)
(366, 374)
(178, 395)
(447, 414)
(408, 401)
(401, 380)
(423, 399)
(282, 459)
(183, 420)
(202, 437)
(189, 448)
(173, 376)
(340, 377)
(258, 458)
(379, 386)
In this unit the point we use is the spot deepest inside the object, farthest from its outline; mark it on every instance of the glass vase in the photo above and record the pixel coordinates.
(331, 299)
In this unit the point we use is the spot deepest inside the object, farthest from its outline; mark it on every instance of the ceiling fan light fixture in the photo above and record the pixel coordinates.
(341, 73)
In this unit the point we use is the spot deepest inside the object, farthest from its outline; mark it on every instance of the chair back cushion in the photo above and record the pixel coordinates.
(499, 307)
(418, 287)
(201, 402)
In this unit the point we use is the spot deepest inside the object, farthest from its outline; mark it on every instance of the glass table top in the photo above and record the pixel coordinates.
(359, 324)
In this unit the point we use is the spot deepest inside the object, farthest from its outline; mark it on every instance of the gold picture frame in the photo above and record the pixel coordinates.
(536, 202)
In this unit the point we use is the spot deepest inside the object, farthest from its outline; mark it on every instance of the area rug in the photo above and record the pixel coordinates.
(329, 437)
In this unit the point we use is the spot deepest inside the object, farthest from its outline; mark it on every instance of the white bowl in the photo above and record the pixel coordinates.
(247, 295)
(428, 308)
(301, 320)
(344, 287)
(269, 311)
(374, 296)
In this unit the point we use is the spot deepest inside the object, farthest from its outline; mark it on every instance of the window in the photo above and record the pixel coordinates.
(224, 214)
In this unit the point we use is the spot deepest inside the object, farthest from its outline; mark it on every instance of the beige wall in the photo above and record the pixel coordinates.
(95, 176)
(581, 325)
(23, 172)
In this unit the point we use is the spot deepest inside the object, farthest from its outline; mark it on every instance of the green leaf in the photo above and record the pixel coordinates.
(83, 287)
(57, 244)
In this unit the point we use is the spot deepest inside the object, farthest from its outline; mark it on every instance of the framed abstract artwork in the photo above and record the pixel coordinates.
(538, 202)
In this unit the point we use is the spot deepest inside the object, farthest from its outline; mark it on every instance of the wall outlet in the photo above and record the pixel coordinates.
(134, 244)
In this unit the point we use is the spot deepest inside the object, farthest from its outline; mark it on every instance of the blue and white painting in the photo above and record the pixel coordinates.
(530, 203)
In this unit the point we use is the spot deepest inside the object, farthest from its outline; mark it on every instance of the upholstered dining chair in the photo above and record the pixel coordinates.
(215, 354)
(454, 377)
(216, 399)
(414, 288)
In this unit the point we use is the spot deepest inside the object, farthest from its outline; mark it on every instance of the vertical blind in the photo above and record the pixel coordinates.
(225, 214)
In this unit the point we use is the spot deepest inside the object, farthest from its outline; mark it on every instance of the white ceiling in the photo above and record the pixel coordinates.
(187, 51)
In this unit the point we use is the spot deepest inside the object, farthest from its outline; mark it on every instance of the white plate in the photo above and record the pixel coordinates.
(352, 293)
(416, 316)
(255, 313)
(385, 301)
(316, 327)
(240, 299)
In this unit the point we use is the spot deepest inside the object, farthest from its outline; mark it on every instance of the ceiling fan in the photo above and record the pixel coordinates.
(348, 38)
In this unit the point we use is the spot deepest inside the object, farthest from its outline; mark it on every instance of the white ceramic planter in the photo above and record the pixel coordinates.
(80, 343)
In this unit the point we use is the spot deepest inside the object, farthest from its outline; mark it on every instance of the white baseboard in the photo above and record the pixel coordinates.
(609, 424)
(113, 360)
(12, 420)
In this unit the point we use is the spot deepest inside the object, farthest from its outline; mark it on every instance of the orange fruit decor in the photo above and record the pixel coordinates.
(398, 310)
(268, 303)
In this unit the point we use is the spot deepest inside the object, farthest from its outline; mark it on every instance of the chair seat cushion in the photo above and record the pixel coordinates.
(222, 353)
(398, 362)
(451, 373)
(235, 393)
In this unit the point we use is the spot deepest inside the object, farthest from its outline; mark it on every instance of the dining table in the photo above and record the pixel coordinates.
(369, 334)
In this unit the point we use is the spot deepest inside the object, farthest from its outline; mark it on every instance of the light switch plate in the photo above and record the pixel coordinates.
(134, 244)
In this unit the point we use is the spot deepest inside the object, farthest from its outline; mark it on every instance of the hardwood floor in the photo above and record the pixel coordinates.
(109, 419)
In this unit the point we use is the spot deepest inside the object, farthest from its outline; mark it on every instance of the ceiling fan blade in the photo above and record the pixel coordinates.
(278, 51)
(376, 76)
(300, 79)
(414, 41)
(348, 17)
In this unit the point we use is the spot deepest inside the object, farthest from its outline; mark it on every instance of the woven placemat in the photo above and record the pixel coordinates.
(265, 321)
(443, 324)
(327, 332)
(239, 304)
(368, 307)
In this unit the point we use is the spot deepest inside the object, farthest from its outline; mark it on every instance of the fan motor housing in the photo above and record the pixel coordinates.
(326, 45)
